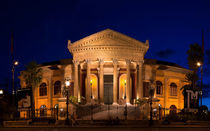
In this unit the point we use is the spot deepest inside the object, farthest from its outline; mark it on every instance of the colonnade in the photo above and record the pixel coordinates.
(139, 88)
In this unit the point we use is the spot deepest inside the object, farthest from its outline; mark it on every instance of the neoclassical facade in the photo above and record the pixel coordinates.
(109, 68)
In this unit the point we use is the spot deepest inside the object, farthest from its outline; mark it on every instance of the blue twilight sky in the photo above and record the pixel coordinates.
(42, 27)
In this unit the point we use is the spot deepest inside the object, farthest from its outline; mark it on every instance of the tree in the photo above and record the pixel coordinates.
(32, 76)
(189, 78)
(195, 55)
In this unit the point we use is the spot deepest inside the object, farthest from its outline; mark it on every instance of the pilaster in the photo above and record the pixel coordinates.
(101, 81)
(88, 88)
(140, 81)
(165, 92)
(115, 81)
(179, 93)
(128, 88)
(76, 80)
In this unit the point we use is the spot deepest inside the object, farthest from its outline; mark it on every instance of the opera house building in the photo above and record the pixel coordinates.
(108, 71)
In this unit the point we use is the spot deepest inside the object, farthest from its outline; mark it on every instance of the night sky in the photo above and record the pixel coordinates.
(42, 27)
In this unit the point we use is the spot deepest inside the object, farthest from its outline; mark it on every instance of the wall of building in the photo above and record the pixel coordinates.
(165, 76)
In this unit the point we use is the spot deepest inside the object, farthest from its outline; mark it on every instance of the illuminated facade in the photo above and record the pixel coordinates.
(109, 68)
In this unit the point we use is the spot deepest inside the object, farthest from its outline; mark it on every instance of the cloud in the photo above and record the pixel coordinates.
(165, 53)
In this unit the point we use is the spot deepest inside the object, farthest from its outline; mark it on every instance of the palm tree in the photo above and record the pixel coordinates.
(32, 76)
(189, 78)
(195, 55)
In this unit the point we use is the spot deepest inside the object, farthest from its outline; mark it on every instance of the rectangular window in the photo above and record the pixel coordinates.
(173, 91)
(146, 89)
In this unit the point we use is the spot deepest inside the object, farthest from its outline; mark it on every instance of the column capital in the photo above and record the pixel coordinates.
(101, 61)
(76, 62)
(128, 61)
(140, 62)
(115, 61)
(88, 61)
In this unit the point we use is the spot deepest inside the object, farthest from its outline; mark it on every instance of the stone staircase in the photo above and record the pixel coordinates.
(106, 112)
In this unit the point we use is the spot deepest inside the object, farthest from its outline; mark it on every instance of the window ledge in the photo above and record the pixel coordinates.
(159, 96)
(42, 97)
(57, 95)
(173, 97)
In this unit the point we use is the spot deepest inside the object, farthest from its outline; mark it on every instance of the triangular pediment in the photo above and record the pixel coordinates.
(108, 44)
(108, 37)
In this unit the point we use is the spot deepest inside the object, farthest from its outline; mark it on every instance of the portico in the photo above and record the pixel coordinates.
(108, 67)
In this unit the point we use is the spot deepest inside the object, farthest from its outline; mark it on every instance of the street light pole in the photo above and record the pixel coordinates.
(15, 63)
(91, 83)
(151, 93)
(159, 111)
(201, 93)
(67, 84)
(126, 108)
(199, 64)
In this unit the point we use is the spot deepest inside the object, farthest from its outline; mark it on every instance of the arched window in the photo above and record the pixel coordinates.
(57, 87)
(173, 89)
(43, 89)
(159, 88)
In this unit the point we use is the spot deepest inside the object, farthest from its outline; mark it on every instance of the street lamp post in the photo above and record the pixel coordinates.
(199, 64)
(159, 111)
(150, 111)
(91, 83)
(126, 108)
(67, 84)
(151, 93)
(14, 64)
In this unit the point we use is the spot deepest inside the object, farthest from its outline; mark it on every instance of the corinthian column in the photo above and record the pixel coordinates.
(128, 89)
(101, 76)
(165, 92)
(178, 93)
(88, 88)
(76, 81)
(115, 82)
(140, 82)
(50, 92)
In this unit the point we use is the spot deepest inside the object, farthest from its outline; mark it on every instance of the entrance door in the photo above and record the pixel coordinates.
(108, 89)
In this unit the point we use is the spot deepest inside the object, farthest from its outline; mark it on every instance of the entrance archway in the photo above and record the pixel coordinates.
(94, 86)
(173, 110)
(108, 89)
(122, 86)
